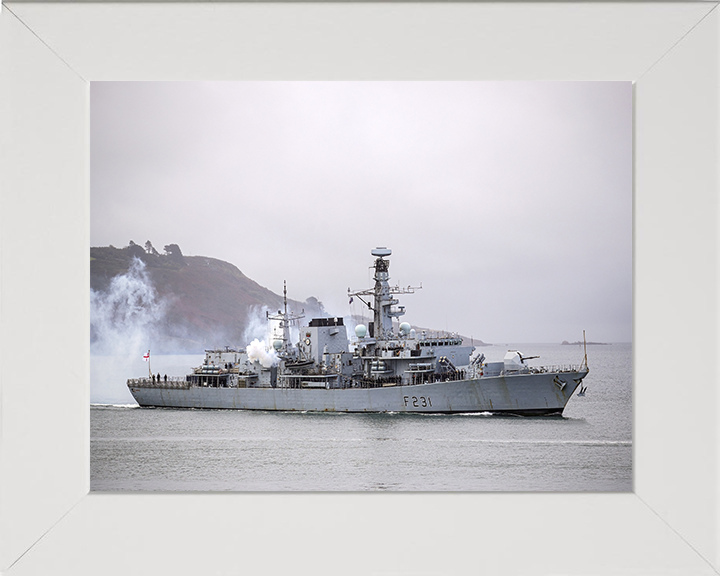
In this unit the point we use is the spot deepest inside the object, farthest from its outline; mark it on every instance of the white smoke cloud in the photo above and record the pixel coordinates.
(295, 333)
(350, 324)
(257, 324)
(257, 350)
(123, 316)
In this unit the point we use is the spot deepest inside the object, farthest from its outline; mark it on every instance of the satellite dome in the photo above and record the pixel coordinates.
(360, 330)
(405, 328)
(381, 251)
(277, 344)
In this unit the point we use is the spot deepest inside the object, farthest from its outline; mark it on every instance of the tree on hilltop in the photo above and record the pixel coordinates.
(150, 249)
(135, 250)
(173, 251)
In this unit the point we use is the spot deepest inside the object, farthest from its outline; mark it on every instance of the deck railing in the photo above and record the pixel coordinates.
(171, 382)
(477, 372)
(556, 368)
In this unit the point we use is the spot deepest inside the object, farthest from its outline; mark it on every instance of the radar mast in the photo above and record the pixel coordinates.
(285, 319)
(385, 307)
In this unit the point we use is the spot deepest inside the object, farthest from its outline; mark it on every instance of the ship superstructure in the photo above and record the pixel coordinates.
(386, 367)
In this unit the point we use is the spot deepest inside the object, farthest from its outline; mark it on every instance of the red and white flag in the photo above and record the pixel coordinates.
(146, 357)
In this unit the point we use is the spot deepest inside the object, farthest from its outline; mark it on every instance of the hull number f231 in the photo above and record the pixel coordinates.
(417, 401)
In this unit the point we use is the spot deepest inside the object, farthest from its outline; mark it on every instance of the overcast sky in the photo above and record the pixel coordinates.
(511, 202)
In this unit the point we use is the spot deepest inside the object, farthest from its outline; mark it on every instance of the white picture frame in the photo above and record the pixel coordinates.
(49, 523)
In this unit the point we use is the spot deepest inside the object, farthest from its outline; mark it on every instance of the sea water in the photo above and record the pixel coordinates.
(588, 448)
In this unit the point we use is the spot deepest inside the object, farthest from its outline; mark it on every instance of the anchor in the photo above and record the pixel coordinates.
(582, 388)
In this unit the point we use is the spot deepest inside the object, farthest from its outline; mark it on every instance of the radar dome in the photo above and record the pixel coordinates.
(277, 344)
(405, 328)
(360, 330)
(381, 251)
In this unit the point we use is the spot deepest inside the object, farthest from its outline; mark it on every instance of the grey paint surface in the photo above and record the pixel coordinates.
(519, 394)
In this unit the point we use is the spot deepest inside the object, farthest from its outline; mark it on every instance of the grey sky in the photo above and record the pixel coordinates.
(510, 201)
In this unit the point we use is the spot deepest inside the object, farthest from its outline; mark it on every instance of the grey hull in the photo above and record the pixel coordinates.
(525, 394)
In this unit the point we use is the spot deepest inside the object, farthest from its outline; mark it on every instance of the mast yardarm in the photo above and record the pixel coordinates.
(286, 320)
(385, 306)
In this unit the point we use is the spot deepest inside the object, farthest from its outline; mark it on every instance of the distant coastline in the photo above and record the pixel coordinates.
(579, 343)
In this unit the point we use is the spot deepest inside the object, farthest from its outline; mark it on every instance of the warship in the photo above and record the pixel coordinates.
(384, 368)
